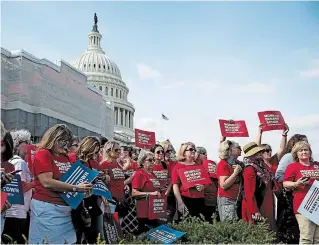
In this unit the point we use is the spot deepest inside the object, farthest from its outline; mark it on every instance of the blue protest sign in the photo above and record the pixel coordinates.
(14, 190)
(77, 174)
(100, 189)
(164, 234)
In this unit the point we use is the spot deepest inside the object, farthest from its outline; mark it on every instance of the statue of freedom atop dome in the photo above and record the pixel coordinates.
(95, 19)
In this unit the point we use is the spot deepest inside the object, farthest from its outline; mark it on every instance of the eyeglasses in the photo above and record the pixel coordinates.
(159, 152)
(168, 151)
(191, 149)
(150, 160)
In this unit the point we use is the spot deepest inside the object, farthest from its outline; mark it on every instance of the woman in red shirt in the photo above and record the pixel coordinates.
(271, 161)
(211, 189)
(229, 176)
(110, 164)
(189, 200)
(145, 183)
(50, 215)
(88, 154)
(171, 201)
(299, 177)
(258, 203)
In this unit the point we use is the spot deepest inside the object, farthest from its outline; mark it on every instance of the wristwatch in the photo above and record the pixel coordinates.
(75, 189)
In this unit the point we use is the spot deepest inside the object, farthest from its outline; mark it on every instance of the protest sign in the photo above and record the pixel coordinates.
(31, 150)
(112, 228)
(191, 176)
(4, 197)
(14, 190)
(164, 234)
(144, 139)
(309, 207)
(233, 128)
(100, 189)
(211, 168)
(271, 120)
(77, 174)
(157, 207)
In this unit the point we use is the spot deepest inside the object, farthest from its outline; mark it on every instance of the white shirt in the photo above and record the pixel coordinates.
(16, 210)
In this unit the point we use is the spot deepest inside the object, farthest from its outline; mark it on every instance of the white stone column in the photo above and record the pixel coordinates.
(118, 116)
(127, 118)
(115, 115)
(132, 115)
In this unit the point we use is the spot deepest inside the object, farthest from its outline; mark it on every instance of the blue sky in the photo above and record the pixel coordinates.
(194, 62)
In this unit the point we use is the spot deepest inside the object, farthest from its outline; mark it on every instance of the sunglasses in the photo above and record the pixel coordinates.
(150, 160)
(191, 149)
(64, 144)
(168, 151)
(159, 152)
(116, 150)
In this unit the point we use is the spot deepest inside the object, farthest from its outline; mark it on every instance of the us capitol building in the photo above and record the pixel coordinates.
(105, 75)
(89, 96)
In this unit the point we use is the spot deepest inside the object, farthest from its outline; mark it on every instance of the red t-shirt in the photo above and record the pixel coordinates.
(116, 174)
(224, 169)
(145, 182)
(45, 162)
(294, 172)
(191, 192)
(162, 174)
(211, 168)
(92, 164)
(131, 169)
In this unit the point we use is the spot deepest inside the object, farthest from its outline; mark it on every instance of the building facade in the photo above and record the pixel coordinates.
(37, 94)
(105, 75)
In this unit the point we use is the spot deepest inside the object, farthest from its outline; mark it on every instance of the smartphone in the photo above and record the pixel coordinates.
(15, 172)
(305, 178)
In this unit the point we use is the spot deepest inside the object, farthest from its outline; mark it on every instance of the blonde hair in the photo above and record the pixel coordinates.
(87, 148)
(108, 147)
(53, 135)
(224, 149)
(297, 147)
(182, 149)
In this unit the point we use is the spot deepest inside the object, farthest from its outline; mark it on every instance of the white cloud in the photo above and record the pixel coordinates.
(312, 71)
(174, 85)
(146, 72)
(255, 88)
(309, 122)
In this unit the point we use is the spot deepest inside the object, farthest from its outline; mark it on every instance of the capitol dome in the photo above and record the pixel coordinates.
(105, 75)
(97, 61)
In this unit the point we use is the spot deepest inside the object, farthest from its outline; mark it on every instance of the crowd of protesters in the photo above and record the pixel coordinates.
(264, 186)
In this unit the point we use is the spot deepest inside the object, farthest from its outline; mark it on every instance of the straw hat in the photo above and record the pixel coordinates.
(251, 149)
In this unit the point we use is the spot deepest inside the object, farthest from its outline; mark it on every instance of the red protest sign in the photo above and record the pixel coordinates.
(271, 120)
(144, 139)
(157, 207)
(117, 183)
(193, 175)
(31, 150)
(233, 128)
(211, 168)
(4, 197)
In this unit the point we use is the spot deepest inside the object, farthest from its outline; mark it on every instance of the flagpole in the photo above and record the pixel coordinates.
(161, 139)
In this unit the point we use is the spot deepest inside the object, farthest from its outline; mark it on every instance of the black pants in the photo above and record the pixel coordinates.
(195, 206)
(15, 228)
(90, 234)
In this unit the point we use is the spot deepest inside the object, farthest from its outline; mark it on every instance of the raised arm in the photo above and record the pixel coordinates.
(283, 143)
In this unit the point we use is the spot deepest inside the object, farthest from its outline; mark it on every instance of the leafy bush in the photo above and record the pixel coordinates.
(201, 232)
